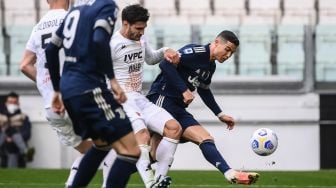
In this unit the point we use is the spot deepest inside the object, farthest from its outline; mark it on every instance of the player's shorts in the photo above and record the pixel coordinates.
(97, 115)
(63, 127)
(154, 117)
(179, 112)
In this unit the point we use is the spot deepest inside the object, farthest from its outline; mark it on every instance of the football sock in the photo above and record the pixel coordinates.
(165, 155)
(73, 170)
(88, 167)
(107, 164)
(213, 156)
(121, 171)
(143, 165)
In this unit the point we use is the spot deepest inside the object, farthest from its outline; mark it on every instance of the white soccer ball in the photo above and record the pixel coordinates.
(264, 141)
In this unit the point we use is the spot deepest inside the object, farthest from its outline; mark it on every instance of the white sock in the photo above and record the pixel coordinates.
(107, 164)
(230, 174)
(73, 171)
(165, 155)
(143, 166)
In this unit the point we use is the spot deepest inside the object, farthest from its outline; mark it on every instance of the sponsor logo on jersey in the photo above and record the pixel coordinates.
(134, 67)
(133, 56)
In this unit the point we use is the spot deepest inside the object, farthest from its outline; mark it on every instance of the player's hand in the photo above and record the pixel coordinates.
(57, 103)
(119, 94)
(230, 122)
(172, 56)
(188, 96)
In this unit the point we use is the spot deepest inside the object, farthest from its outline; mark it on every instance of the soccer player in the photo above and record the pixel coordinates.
(95, 112)
(173, 89)
(130, 50)
(33, 65)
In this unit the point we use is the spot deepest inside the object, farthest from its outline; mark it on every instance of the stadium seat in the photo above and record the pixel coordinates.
(325, 53)
(19, 36)
(295, 20)
(327, 8)
(163, 8)
(231, 22)
(151, 34)
(150, 72)
(208, 32)
(254, 20)
(301, 8)
(291, 56)
(196, 10)
(230, 8)
(265, 8)
(18, 13)
(255, 50)
(176, 36)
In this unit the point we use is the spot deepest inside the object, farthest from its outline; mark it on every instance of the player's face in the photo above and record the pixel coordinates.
(136, 30)
(224, 50)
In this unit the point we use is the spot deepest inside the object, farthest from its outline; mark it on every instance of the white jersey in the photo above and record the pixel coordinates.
(37, 42)
(128, 58)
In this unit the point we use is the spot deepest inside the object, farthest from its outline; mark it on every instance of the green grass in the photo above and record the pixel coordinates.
(38, 178)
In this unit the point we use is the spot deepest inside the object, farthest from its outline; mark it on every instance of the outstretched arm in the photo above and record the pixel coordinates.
(209, 100)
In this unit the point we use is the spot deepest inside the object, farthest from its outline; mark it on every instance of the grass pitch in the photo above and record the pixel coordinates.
(42, 178)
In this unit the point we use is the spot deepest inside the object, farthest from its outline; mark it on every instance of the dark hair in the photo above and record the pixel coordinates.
(134, 13)
(229, 36)
(12, 94)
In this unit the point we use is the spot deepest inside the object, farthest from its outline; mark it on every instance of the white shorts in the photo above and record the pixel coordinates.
(63, 127)
(137, 106)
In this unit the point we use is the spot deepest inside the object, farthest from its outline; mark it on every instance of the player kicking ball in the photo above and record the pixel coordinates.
(173, 87)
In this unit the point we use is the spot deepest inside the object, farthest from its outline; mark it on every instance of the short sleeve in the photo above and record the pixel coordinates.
(107, 17)
(31, 46)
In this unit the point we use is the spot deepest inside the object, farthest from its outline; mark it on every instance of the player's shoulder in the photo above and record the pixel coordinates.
(191, 49)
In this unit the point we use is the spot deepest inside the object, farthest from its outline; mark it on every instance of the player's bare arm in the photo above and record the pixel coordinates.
(172, 56)
(188, 96)
(118, 92)
(57, 103)
(27, 65)
(230, 122)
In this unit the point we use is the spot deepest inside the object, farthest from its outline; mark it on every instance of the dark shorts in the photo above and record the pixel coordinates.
(97, 115)
(175, 109)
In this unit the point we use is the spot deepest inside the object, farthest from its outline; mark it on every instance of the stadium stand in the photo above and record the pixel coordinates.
(195, 10)
(266, 8)
(291, 56)
(255, 50)
(325, 52)
(164, 8)
(229, 8)
(302, 9)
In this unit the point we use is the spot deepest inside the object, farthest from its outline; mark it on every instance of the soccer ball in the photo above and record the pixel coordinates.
(264, 141)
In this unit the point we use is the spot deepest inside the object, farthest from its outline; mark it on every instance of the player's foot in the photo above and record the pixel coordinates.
(162, 182)
(245, 178)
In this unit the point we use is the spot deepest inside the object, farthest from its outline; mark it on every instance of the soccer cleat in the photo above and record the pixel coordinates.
(245, 178)
(162, 182)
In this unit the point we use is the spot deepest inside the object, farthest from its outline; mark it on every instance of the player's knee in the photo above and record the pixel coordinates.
(142, 136)
(172, 129)
(84, 146)
(101, 145)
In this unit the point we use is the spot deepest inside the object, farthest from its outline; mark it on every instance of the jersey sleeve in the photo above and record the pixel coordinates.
(152, 56)
(106, 18)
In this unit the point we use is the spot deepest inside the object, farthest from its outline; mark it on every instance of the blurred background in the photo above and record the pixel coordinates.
(283, 77)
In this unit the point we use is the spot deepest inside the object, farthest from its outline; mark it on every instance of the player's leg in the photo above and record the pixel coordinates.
(131, 107)
(107, 164)
(124, 165)
(160, 121)
(200, 136)
(65, 132)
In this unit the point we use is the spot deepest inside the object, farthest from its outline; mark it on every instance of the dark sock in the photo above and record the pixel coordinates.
(121, 171)
(88, 167)
(213, 156)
